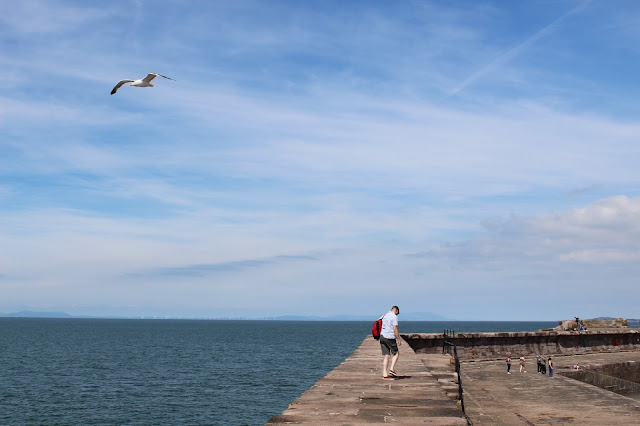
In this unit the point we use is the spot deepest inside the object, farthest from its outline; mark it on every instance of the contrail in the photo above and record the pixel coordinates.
(513, 52)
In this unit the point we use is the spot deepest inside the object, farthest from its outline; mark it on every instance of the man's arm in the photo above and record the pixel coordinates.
(395, 330)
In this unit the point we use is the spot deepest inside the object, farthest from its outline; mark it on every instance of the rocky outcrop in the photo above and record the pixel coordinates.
(580, 324)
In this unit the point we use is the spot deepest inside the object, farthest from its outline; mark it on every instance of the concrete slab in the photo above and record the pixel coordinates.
(355, 393)
(493, 397)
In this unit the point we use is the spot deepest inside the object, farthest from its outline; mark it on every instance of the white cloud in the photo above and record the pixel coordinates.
(604, 233)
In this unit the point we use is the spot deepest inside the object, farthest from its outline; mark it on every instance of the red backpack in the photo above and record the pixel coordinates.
(377, 328)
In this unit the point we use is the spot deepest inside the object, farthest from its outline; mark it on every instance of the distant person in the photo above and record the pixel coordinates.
(539, 360)
(508, 365)
(522, 370)
(389, 342)
(544, 366)
(550, 364)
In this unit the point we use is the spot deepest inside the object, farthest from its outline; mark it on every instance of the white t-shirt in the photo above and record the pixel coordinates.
(390, 319)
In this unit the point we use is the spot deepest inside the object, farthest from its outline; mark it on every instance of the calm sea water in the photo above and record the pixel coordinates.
(106, 371)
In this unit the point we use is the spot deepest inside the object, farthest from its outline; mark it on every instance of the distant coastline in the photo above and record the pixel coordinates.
(423, 316)
(58, 314)
(32, 314)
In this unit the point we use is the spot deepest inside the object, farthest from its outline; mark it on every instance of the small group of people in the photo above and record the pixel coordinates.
(542, 366)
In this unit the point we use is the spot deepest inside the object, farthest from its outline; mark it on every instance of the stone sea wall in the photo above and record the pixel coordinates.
(483, 346)
(622, 377)
(629, 370)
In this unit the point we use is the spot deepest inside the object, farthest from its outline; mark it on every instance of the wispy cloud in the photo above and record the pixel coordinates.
(50, 17)
(213, 268)
(506, 56)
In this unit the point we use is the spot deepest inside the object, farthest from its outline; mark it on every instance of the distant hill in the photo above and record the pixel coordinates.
(32, 314)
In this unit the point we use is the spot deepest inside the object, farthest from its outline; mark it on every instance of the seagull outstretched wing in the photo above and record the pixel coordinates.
(153, 75)
(149, 77)
(165, 77)
(119, 85)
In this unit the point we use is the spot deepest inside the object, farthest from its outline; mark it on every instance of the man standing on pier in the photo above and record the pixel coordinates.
(389, 342)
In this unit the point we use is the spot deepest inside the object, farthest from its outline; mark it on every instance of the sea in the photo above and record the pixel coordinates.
(169, 372)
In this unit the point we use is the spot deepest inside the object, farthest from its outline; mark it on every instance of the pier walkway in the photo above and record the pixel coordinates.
(355, 393)
(493, 397)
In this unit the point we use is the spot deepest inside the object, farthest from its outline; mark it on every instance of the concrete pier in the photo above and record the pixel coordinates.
(355, 393)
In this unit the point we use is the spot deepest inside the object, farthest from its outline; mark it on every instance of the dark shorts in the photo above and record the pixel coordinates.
(388, 346)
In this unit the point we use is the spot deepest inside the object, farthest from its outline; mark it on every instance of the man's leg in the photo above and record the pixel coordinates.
(394, 360)
(385, 365)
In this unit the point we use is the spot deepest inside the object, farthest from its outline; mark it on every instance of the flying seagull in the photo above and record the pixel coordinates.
(143, 82)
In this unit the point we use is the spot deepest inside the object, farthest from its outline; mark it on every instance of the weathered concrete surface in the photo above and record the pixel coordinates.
(493, 397)
(355, 393)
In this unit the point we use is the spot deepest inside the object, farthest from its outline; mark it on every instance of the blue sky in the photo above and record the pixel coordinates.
(472, 159)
